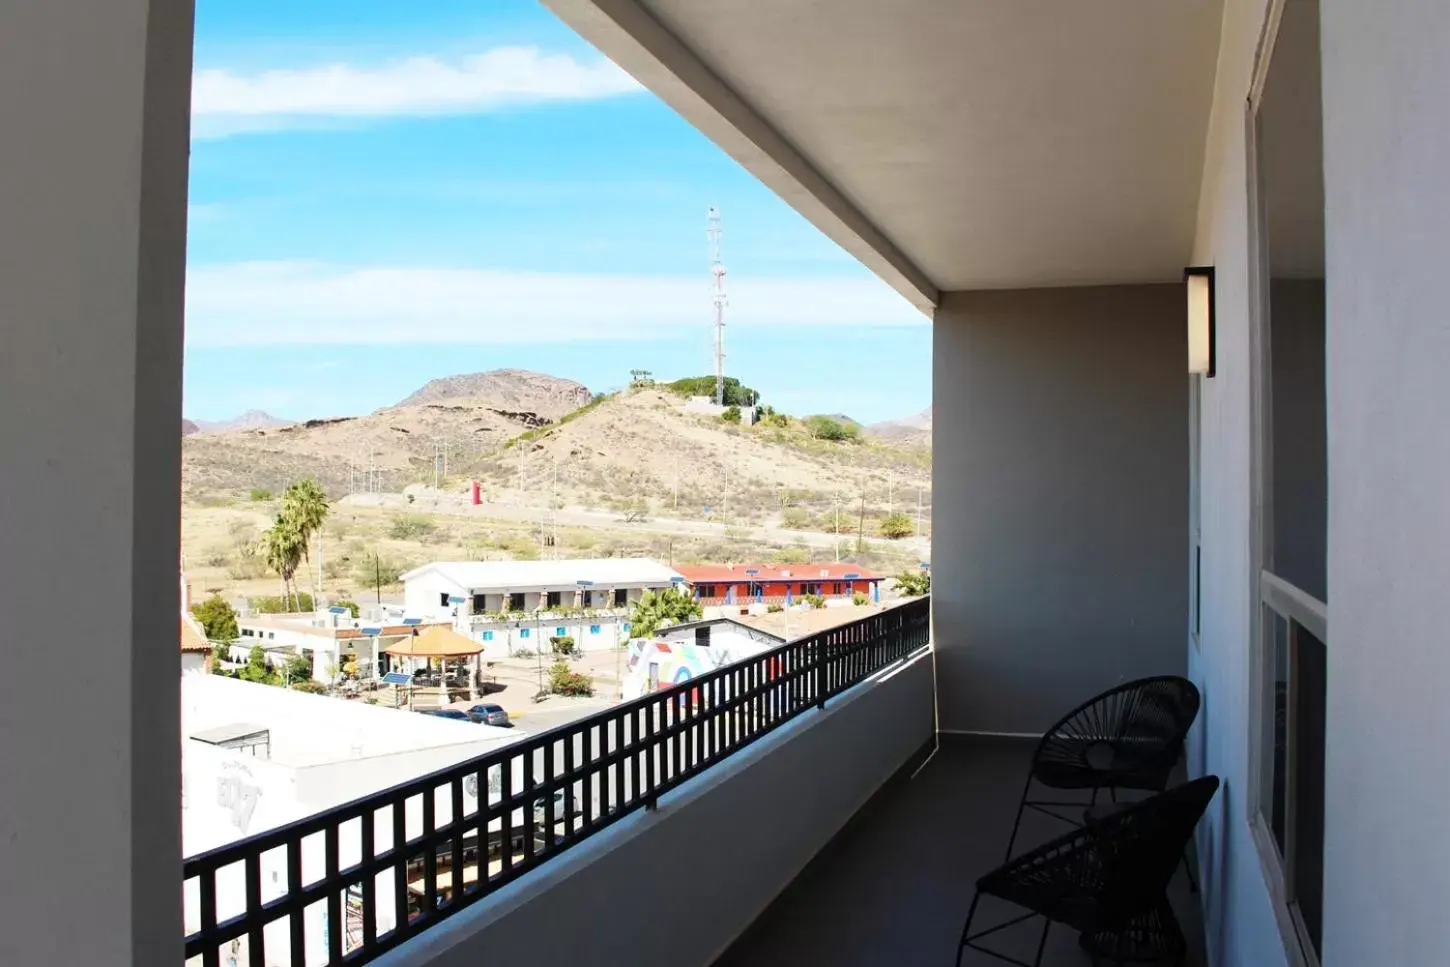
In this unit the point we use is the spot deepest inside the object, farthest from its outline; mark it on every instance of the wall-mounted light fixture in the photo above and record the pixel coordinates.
(1202, 339)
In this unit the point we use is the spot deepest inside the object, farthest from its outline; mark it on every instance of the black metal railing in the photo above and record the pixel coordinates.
(343, 886)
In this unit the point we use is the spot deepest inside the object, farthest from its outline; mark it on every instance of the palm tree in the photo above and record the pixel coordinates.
(655, 609)
(305, 506)
(282, 548)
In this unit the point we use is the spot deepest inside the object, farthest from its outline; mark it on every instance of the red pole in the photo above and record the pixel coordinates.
(477, 494)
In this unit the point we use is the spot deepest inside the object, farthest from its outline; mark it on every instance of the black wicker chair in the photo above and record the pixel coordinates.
(1129, 737)
(1108, 880)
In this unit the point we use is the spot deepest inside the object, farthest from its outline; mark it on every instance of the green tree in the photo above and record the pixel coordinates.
(257, 670)
(298, 668)
(351, 606)
(305, 505)
(655, 609)
(218, 619)
(735, 393)
(895, 527)
(731, 414)
(282, 550)
(913, 583)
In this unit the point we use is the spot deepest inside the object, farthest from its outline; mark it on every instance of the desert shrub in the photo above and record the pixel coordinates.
(731, 414)
(562, 644)
(796, 519)
(310, 686)
(410, 528)
(565, 681)
(860, 598)
(895, 527)
(774, 608)
(259, 495)
(813, 600)
(827, 428)
(370, 571)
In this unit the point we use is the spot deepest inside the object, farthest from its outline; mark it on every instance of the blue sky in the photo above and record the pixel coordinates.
(383, 193)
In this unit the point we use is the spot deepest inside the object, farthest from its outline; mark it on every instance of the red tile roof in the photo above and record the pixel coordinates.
(192, 638)
(727, 573)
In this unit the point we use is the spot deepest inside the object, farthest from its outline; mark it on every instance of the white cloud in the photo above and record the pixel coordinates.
(226, 103)
(265, 303)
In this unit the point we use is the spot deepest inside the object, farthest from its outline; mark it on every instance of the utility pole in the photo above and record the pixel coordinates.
(861, 526)
(713, 231)
(836, 541)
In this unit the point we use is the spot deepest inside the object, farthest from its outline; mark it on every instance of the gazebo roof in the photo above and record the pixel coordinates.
(435, 642)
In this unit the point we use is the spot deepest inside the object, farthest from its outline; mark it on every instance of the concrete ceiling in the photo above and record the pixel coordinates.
(950, 144)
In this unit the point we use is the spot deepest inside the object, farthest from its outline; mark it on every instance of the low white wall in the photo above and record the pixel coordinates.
(678, 899)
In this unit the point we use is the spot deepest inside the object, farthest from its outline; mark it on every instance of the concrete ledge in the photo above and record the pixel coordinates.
(674, 888)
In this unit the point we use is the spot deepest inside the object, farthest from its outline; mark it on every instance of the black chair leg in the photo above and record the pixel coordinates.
(1042, 944)
(1021, 808)
(1188, 871)
(967, 927)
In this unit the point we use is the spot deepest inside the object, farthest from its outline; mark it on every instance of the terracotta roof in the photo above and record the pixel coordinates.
(192, 637)
(436, 642)
(723, 573)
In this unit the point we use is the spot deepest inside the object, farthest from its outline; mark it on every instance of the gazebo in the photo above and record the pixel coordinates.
(439, 643)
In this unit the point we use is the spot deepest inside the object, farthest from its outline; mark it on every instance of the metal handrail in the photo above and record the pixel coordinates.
(600, 769)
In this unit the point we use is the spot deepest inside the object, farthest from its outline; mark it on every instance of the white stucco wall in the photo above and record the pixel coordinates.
(1387, 186)
(1240, 922)
(94, 114)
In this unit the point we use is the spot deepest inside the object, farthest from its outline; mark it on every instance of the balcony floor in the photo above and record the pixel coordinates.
(894, 887)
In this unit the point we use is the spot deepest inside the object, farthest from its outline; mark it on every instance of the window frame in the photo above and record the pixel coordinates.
(1269, 593)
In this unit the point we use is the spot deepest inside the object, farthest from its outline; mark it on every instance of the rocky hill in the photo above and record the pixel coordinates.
(188, 427)
(250, 420)
(637, 450)
(514, 389)
(912, 430)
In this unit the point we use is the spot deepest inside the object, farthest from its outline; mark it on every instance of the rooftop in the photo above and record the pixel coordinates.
(603, 572)
(695, 573)
(193, 638)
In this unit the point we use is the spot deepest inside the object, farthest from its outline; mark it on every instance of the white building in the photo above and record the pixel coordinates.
(326, 639)
(513, 605)
(255, 757)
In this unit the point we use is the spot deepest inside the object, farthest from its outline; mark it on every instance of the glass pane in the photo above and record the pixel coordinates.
(1308, 872)
(1277, 729)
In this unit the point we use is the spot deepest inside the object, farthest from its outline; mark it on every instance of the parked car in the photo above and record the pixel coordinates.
(447, 713)
(487, 713)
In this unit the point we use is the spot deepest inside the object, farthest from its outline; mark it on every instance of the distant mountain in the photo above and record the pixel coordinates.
(910, 429)
(188, 427)
(547, 396)
(250, 420)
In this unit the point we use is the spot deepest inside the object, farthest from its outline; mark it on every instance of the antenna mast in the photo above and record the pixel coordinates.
(713, 232)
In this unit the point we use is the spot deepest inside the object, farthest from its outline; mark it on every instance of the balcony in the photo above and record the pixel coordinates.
(616, 804)
(691, 812)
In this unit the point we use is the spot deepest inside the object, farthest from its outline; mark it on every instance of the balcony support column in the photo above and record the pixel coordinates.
(94, 110)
